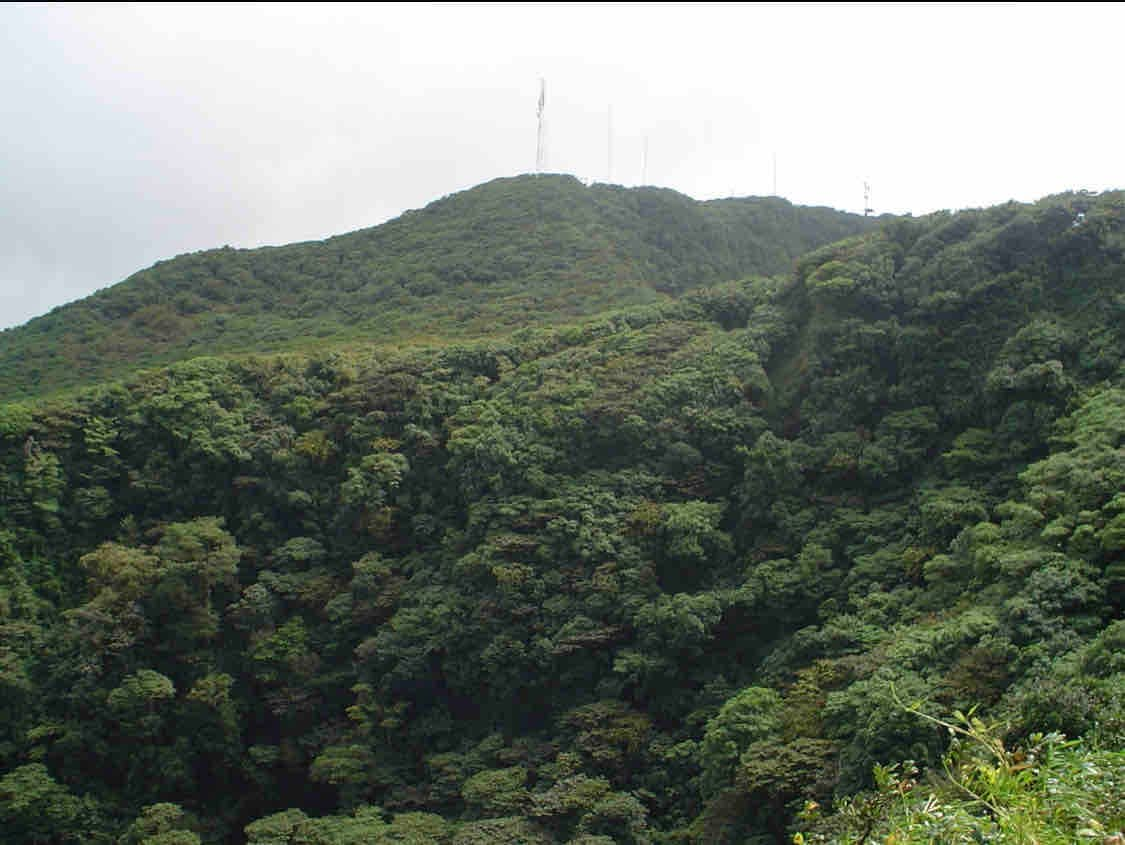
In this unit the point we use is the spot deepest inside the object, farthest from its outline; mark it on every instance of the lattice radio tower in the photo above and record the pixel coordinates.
(540, 138)
(867, 209)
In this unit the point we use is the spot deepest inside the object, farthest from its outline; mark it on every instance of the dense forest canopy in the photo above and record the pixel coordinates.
(719, 564)
(510, 253)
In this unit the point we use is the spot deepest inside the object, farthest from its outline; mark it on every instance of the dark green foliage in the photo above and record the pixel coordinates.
(660, 575)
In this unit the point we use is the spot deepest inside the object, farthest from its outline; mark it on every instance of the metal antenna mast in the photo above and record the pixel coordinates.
(775, 174)
(867, 209)
(540, 152)
(644, 164)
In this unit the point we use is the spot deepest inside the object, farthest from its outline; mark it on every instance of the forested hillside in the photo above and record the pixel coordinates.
(514, 252)
(706, 570)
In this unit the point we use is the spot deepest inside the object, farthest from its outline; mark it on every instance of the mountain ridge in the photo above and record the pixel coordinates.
(511, 252)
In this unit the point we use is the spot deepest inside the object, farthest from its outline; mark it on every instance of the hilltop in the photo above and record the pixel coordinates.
(511, 253)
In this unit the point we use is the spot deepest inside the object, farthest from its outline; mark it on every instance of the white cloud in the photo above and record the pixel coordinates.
(133, 133)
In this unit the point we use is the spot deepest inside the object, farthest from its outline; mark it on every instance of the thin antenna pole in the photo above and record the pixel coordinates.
(609, 149)
(644, 164)
(540, 152)
(867, 209)
(775, 174)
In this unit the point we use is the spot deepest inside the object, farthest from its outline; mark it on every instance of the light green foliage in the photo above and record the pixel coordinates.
(34, 807)
(619, 817)
(497, 791)
(366, 826)
(161, 824)
(571, 796)
(679, 624)
(692, 535)
(141, 704)
(779, 772)
(751, 715)
(417, 829)
(1081, 693)
(1050, 791)
(16, 420)
(945, 512)
(44, 480)
(277, 829)
(167, 590)
(340, 765)
(141, 691)
(199, 407)
(506, 831)
(869, 718)
(374, 479)
(201, 541)
(280, 651)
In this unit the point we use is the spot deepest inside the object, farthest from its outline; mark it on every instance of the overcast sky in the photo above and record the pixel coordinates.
(135, 133)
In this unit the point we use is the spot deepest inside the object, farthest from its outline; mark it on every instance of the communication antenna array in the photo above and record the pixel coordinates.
(540, 148)
(867, 209)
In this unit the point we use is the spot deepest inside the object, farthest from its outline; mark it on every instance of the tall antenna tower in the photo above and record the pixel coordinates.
(867, 209)
(775, 174)
(644, 164)
(609, 149)
(540, 151)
